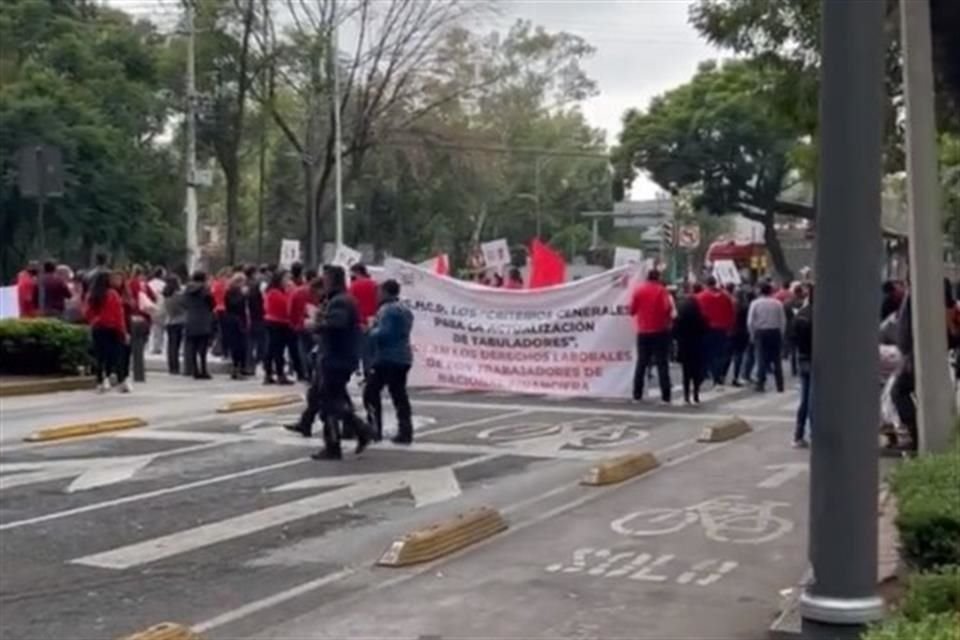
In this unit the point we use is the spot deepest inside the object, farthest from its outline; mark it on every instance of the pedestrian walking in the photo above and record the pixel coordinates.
(391, 359)
(690, 330)
(257, 342)
(339, 358)
(652, 309)
(767, 321)
(365, 293)
(235, 324)
(301, 299)
(175, 314)
(120, 283)
(304, 426)
(718, 310)
(276, 304)
(742, 346)
(803, 345)
(791, 308)
(198, 325)
(103, 311)
(157, 284)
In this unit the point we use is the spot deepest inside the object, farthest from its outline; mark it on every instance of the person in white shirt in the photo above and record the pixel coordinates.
(767, 321)
(157, 316)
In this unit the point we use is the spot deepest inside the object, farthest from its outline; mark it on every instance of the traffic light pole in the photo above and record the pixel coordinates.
(844, 460)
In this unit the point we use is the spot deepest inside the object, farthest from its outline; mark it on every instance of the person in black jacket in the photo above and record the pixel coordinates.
(340, 335)
(257, 334)
(198, 328)
(690, 330)
(803, 343)
(234, 324)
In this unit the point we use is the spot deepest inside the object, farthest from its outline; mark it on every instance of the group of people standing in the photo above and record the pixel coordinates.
(712, 329)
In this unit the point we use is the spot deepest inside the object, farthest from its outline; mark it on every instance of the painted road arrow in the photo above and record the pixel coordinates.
(783, 473)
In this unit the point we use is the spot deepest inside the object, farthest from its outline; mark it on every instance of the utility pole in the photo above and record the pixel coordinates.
(190, 201)
(844, 461)
(266, 90)
(934, 396)
(337, 132)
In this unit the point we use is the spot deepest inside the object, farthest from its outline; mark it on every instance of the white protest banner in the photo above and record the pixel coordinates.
(725, 271)
(622, 256)
(496, 253)
(9, 302)
(346, 257)
(289, 252)
(575, 339)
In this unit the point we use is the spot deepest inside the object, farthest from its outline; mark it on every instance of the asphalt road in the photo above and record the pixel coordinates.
(224, 523)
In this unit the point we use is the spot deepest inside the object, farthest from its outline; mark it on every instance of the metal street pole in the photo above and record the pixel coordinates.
(190, 200)
(844, 459)
(337, 132)
(41, 198)
(934, 397)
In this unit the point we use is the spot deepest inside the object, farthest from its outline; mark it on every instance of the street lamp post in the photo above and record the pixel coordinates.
(844, 459)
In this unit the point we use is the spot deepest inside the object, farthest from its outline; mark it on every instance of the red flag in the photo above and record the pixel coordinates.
(547, 267)
(441, 267)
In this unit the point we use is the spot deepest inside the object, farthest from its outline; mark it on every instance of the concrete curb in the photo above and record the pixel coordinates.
(444, 538)
(729, 429)
(165, 631)
(261, 402)
(81, 429)
(620, 468)
(51, 385)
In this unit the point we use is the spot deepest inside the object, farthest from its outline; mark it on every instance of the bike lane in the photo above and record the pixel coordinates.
(701, 548)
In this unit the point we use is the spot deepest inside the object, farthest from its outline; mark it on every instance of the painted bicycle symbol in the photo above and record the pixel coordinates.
(725, 519)
(595, 432)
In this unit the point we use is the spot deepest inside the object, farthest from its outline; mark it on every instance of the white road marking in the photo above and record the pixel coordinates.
(474, 423)
(270, 601)
(783, 473)
(110, 473)
(148, 495)
(592, 411)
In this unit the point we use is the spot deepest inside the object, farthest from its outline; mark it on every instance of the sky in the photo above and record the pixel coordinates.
(643, 48)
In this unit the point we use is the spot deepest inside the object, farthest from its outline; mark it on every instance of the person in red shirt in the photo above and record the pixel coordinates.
(652, 309)
(719, 310)
(104, 313)
(366, 293)
(27, 290)
(302, 298)
(276, 311)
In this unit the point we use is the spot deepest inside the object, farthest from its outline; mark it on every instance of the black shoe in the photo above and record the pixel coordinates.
(402, 440)
(285, 381)
(333, 453)
(363, 441)
(736, 383)
(295, 428)
(269, 381)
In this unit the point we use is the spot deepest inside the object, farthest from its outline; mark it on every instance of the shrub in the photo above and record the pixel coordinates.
(43, 347)
(929, 593)
(941, 626)
(928, 504)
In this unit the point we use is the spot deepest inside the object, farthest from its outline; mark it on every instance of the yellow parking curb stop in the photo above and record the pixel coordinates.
(165, 631)
(726, 430)
(81, 429)
(621, 468)
(261, 402)
(443, 538)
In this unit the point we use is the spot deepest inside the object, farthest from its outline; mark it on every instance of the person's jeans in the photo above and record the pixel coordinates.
(902, 396)
(769, 343)
(256, 347)
(336, 410)
(157, 331)
(107, 347)
(139, 334)
(803, 411)
(750, 361)
(394, 377)
(196, 355)
(277, 341)
(655, 348)
(174, 342)
(715, 346)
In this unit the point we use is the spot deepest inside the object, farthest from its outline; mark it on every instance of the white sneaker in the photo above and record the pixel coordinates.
(104, 386)
(127, 386)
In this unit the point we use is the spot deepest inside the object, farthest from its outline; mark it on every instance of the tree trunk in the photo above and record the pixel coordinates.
(232, 177)
(775, 249)
(308, 208)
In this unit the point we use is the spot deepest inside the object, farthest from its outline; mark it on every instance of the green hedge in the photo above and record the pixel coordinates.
(927, 489)
(929, 593)
(43, 347)
(941, 626)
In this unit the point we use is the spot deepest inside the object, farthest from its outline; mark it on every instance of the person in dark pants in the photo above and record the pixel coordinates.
(717, 308)
(120, 283)
(104, 313)
(689, 329)
(198, 325)
(257, 342)
(803, 344)
(276, 305)
(304, 426)
(740, 342)
(767, 321)
(235, 324)
(652, 310)
(302, 299)
(175, 313)
(339, 357)
(391, 359)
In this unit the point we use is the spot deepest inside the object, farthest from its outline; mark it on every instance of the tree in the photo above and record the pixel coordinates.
(85, 78)
(722, 135)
